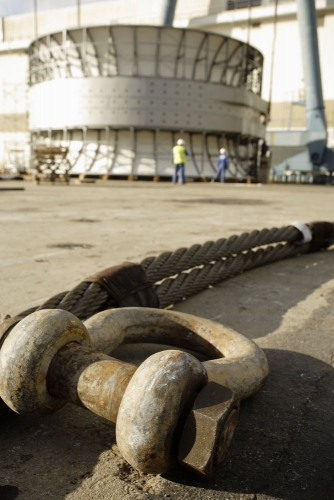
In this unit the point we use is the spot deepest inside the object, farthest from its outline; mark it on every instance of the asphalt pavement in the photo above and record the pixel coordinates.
(52, 237)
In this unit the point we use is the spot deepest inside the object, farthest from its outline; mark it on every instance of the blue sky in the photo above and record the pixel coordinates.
(11, 7)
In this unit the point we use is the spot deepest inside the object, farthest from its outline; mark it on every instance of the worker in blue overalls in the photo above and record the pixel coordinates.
(222, 165)
(179, 157)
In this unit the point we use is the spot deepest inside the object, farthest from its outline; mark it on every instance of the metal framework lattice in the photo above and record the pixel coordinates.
(161, 52)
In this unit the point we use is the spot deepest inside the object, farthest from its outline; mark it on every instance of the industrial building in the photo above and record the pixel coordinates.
(115, 87)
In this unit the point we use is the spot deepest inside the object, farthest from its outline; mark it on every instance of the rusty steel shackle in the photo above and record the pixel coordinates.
(46, 360)
(236, 361)
(42, 365)
(238, 369)
(41, 361)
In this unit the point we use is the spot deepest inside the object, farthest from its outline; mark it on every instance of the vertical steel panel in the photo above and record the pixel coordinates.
(112, 43)
(214, 59)
(179, 54)
(155, 150)
(115, 151)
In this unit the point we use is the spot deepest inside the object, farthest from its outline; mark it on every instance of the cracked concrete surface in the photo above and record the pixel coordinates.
(54, 236)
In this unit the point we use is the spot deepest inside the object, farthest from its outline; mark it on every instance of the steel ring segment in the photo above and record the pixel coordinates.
(26, 355)
(154, 407)
(235, 361)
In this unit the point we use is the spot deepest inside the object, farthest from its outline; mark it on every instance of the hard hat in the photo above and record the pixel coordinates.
(222, 151)
(180, 142)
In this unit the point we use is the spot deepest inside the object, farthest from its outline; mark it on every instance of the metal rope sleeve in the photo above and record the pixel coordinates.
(218, 260)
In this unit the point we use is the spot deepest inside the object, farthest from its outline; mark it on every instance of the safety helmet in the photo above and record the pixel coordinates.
(222, 151)
(180, 142)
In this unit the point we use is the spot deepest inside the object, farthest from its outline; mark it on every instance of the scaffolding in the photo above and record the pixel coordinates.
(14, 134)
(51, 163)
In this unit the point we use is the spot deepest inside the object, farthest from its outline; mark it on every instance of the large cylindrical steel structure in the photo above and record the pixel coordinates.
(120, 96)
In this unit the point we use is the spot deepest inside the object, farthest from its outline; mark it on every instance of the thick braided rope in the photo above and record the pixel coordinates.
(83, 301)
(184, 285)
(88, 298)
(218, 260)
(169, 263)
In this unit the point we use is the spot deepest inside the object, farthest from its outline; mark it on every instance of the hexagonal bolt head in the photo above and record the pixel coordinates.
(209, 429)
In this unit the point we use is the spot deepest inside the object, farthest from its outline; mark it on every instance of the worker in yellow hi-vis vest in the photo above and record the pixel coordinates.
(179, 158)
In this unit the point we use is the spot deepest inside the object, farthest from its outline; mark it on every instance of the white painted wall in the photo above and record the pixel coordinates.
(113, 12)
(287, 75)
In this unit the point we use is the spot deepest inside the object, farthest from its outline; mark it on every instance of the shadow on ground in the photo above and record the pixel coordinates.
(255, 303)
(222, 201)
(48, 456)
(283, 446)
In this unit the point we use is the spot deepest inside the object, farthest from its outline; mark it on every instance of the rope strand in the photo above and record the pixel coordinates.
(187, 271)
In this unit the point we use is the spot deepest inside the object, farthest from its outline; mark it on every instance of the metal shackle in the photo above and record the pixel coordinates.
(233, 360)
(238, 369)
(43, 365)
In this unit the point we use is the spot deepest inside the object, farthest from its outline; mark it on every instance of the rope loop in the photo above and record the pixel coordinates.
(187, 271)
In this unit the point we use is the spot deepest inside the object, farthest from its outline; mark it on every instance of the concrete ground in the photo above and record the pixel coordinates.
(54, 236)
